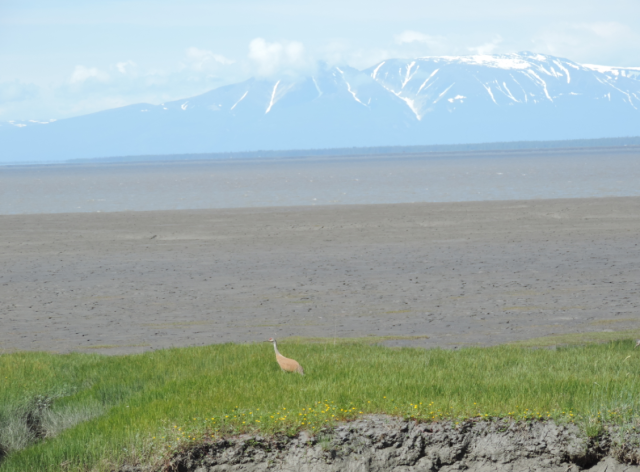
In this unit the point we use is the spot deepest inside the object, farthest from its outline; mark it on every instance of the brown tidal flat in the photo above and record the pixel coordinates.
(478, 273)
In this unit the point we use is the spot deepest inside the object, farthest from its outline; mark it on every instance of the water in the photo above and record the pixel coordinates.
(317, 181)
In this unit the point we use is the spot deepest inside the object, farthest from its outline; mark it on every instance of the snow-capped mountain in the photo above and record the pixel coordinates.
(433, 84)
(430, 100)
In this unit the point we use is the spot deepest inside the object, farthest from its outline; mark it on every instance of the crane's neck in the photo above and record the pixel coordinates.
(275, 347)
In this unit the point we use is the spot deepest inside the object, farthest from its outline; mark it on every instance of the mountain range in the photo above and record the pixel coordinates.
(398, 102)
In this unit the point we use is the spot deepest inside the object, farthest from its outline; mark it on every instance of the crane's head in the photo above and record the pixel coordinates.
(271, 340)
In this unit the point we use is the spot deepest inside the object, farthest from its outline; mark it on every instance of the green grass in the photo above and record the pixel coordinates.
(361, 340)
(579, 338)
(122, 407)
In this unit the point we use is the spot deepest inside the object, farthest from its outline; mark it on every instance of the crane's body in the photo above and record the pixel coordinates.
(286, 364)
(637, 343)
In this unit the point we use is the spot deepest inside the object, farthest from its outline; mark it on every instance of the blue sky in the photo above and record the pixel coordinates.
(65, 58)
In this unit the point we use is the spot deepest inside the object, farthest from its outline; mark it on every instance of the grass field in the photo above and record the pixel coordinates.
(87, 411)
(575, 339)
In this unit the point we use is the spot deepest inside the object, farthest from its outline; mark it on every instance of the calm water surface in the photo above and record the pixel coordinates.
(327, 181)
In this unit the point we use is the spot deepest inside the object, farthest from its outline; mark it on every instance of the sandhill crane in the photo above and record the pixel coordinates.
(286, 364)
(637, 343)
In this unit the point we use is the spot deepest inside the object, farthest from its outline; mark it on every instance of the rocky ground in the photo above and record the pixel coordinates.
(382, 444)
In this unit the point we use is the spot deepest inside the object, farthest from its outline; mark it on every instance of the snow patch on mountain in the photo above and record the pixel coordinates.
(631, 72)
(241, 98)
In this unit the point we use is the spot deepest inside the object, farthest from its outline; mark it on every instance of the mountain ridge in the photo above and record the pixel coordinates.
(423, 101)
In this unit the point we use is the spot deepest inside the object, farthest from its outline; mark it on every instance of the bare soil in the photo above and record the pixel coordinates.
(478, 273)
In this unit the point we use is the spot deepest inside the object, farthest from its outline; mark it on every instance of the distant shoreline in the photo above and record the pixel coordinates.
(516, 148)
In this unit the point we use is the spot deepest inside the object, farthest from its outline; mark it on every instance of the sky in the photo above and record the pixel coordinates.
(64, 58)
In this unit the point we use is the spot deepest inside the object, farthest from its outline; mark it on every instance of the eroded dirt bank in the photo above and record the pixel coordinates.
(381, 443)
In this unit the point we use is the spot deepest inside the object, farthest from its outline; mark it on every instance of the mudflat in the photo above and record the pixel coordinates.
(441, 274)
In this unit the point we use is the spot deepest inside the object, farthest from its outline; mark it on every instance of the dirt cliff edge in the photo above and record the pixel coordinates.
(379, 443)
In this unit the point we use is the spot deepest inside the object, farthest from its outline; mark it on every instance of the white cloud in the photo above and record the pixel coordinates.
(407, 37)
(441, 45)
(416, 43)
(82, 73)
(200, 59)
(278, 57)
(126, 67)
(488, 47)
